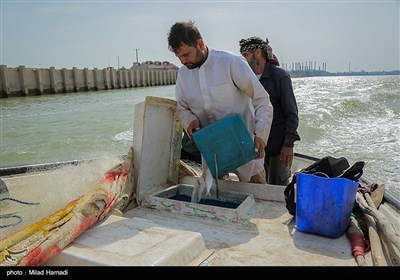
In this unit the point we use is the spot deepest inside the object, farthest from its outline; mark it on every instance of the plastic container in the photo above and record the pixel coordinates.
(226, 142)
(324, 205)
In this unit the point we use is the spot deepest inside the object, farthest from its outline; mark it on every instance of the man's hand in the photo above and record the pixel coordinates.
(259, 146)
(286, 156)
(193, 127)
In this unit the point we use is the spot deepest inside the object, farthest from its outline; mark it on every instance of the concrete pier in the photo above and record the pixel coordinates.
(23, 81)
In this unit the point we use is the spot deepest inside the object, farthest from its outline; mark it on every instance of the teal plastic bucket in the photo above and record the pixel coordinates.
(225, 144)
(324, 205)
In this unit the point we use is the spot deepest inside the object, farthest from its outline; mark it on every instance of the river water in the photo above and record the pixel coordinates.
(354, 117)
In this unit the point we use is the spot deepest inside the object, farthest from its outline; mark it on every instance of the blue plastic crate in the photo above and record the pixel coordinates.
(228, 142)
(324, 205)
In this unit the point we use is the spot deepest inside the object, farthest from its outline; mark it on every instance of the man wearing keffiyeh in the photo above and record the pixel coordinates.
(279, 149)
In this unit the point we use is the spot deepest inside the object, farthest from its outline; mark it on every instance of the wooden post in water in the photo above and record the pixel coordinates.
(106, 79)
(86, 78)
(64, 79)
(22, 79)
(39, 81)
(53, 80)
(75, 79)
(96, 79)
(4, 81)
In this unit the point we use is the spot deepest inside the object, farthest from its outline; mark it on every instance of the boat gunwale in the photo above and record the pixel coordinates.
(31, 168)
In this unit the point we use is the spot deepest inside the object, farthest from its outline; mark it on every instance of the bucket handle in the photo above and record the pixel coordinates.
(321, 174)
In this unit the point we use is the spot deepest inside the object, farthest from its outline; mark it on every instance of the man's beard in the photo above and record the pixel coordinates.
(200, 57)
(253, 63)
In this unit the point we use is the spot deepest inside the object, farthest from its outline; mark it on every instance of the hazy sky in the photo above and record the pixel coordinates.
(361, 35)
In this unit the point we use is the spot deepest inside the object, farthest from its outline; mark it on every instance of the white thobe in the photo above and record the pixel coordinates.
(225, 84)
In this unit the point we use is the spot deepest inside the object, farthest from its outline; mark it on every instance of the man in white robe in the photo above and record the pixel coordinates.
(212, 84)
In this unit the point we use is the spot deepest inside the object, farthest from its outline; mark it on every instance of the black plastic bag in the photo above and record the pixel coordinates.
(327, 166)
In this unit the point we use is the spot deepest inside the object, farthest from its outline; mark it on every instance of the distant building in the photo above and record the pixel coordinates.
(154, 65)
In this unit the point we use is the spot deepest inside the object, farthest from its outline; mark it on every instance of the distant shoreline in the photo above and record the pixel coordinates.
(316, 73)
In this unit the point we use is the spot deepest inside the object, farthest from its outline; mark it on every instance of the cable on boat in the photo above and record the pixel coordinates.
(19, 201)
(14, 215)
(8, 216)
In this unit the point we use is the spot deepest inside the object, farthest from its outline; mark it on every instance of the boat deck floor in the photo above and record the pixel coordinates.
(150, 237)
(267, 238)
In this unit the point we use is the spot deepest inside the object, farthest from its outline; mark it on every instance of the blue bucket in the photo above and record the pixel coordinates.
(225, 144)
(324, 205)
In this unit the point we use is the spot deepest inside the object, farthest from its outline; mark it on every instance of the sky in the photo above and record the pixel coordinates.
(343, 35)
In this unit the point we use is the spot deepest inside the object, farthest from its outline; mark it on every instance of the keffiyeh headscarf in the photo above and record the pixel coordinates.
(252, 43)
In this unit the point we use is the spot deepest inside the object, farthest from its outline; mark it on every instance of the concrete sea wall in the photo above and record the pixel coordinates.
(22, 81)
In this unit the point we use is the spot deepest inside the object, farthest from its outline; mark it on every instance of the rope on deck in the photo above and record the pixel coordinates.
(14, 215)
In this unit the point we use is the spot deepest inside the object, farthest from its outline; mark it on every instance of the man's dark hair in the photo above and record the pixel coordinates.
(183, 32)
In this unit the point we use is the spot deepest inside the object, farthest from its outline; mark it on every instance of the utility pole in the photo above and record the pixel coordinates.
(137, 60)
